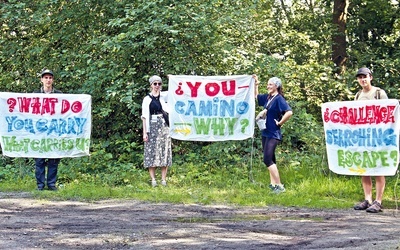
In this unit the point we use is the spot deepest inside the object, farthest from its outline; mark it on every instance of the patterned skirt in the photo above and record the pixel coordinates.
(157, 150)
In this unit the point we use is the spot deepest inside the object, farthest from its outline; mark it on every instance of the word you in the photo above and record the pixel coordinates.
(59, 126)
(370, 114)
(40, 106)
(209, 88)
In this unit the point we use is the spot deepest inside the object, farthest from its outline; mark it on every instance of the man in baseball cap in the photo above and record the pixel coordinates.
(47, 78)
(370, 93)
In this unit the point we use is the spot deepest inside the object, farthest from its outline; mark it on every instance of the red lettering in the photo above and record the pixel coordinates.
(64, 106)
(193, 88)
(76, 107)
(231, 90)
(212, 89)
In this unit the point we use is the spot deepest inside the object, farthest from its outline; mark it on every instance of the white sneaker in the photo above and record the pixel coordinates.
(153, 183)
(164, 182)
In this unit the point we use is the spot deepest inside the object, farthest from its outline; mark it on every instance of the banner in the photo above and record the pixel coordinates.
(362, 137)
(211, 108)
(45, 125)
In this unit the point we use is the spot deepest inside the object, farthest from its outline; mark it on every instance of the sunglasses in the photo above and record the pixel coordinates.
(157, 83)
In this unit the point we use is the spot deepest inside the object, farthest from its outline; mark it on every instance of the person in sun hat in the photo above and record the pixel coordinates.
(369, 92)
(277, 112)
(157, 141)
(47, 80)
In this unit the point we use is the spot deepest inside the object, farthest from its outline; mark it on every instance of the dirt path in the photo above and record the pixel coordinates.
(27, 223)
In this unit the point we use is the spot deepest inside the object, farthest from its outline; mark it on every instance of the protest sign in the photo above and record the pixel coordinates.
(362, 137)
(45, 125)
(211, 108)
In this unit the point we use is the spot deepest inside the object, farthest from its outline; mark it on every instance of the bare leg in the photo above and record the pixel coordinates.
(380, 187)
(164, 171)
(367, 186)
(274, 174)
(152, 172)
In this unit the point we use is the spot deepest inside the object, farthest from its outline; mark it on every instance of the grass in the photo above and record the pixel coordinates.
(211, 180)
(227, 187)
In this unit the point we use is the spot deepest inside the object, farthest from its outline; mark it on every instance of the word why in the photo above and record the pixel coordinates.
(216, 107)
(366, 137)
(11, 144)
(370, 114)
(218, 126)
(59, 127)
(367, 159)
(40, 106)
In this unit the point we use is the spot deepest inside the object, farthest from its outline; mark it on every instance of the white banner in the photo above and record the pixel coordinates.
(45, 125)
(362, 137)
(211, 108)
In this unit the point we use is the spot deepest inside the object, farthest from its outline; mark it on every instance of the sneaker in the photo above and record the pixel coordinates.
(362, 206)
(52, 188)
(272, 187)
(279, 188)
(153, 183)
(376, 207)
(39, 189)
(164, 182)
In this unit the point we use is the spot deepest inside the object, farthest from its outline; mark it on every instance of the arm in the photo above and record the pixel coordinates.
(145, 136)
(256, 86)
(285, 118)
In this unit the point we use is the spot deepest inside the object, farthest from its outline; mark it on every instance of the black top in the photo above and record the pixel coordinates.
(155, 105)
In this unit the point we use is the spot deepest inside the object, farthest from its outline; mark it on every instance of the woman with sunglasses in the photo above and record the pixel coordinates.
(157, 141)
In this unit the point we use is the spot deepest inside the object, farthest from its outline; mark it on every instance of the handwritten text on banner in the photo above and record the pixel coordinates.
(362, 137)
(211, 108)
(45, 125)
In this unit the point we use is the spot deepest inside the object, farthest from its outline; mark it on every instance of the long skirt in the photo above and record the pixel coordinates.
(157, 150)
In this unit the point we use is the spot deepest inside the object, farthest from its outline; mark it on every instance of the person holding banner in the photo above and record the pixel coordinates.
(277, 112)
(369, 92)
(157, 141)
(47, 78)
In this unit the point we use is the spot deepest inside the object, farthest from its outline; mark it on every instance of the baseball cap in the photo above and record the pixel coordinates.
(46, 71)
(363, 71)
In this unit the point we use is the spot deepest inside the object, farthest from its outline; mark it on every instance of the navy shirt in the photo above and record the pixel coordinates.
(276, 110)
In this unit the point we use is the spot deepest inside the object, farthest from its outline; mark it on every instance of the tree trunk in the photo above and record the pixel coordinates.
(339, 55)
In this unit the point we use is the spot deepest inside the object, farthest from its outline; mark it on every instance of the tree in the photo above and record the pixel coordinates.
(339, 53)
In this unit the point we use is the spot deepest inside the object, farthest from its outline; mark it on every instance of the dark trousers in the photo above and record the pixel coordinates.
(269, 146)
(52, 166)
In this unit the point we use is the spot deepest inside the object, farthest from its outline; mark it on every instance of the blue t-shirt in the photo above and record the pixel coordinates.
(276, 110)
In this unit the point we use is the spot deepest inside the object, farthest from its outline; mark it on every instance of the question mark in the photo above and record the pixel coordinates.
(244, 123)
(393, 155)
(12, 102)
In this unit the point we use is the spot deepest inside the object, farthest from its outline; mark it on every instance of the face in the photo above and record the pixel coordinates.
(364, 80)
(156, 85)
(272, 88)
(47, 80)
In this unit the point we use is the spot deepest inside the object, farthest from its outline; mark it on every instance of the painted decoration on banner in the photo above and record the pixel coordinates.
(211, 108)
(45, 125)
(362, 137)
